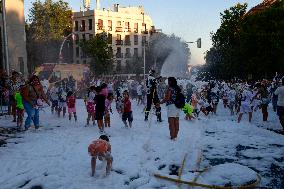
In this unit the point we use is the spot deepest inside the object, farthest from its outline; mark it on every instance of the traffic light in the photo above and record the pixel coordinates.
(198, 43)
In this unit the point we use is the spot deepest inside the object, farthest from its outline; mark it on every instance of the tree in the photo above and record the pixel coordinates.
(248, 43)
(222, 60)
(102, 57)
(48, 23)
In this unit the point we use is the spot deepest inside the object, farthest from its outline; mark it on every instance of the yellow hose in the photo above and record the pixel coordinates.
(253, 185)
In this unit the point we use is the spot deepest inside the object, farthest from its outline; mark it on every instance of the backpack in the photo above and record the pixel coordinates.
(180, 100)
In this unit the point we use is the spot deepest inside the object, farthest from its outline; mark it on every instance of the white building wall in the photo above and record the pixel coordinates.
(125, 14)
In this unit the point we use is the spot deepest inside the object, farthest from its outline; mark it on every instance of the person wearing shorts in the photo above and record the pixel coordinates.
(172, 111)
(246, 105)
(100, 149)
(280, 103)
(127, 112)
(71, 104)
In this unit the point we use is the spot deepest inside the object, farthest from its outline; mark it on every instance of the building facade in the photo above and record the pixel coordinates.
(16, 36)
(127, 30)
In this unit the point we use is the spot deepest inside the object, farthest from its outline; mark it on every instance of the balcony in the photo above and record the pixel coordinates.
(119, 42)
(127, 55)
(128, 29)
(100, 27)
(127, 43)
(144, 43)
(82, 28)
(135, 30)
(145, 32)
(118, 29)
(119, 55)
(110, 28)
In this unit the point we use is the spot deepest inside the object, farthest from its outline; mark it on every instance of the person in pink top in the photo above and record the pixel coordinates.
(108, 109)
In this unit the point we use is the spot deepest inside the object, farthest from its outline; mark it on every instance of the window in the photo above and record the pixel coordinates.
(135, 52)
(128, 53)
(118, 26)
(127, 40)
(118, 23)
(76, 38)
(21, 63)
(118, 53)
(90, 24)
(84, 37)
(1, 55)
(118, 50)
(0, 6)
(118, 66)
(109, 25)
(144, 40)
(109, 38)
(77, 51)
(100, 24)
(76, 26)
(135, 39)
(83, 25)
(118, 40)
(127, 26)
(136, 27)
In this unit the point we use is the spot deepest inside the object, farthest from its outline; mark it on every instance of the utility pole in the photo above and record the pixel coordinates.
(7, 66)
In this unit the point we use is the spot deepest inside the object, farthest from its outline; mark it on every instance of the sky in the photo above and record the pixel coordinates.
(188, 19)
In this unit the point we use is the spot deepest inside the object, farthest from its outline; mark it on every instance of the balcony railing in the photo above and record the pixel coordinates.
(119, 55)
(127, 55)
(82, 28)
(144, 42)
(127, 29)
(127, 43)
(135, 30)
(145, 32)
(118, 29)
(100, 27)
(119, 42)
(135, 55)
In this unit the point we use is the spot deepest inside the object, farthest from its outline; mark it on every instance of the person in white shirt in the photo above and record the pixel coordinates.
(280, 103)
(246, 106)
(139, 90)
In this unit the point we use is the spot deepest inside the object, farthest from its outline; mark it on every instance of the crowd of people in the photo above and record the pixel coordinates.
(239, 97)
(21, 95)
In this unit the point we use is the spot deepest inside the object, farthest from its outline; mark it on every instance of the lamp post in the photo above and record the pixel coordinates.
(144, 60)
(7, 66)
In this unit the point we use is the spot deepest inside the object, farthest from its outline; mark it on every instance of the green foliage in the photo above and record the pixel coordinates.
(50, 20)
(102, 57)
(248, 44)
(48, 23)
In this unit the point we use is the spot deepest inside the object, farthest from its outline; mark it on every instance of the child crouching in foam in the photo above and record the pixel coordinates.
(101, 149)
